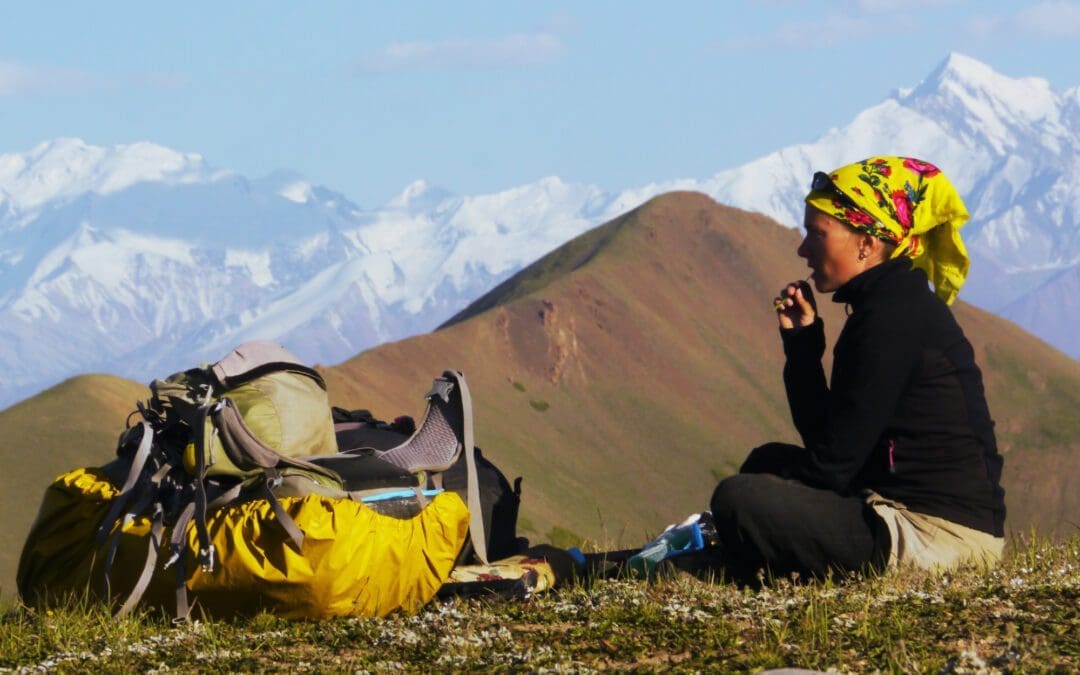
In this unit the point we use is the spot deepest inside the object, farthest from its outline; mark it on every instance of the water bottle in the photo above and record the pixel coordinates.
(682, 538)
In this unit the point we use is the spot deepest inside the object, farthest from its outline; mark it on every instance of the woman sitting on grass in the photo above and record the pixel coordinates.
(900, 462)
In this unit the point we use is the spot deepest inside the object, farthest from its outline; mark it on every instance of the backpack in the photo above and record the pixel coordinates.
(358, 432)
(213, 435)
(217, 453)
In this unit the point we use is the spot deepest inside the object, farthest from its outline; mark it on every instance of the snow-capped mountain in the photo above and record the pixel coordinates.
(139, 260)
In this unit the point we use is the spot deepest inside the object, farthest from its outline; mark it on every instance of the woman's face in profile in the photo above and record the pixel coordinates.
(831, 249)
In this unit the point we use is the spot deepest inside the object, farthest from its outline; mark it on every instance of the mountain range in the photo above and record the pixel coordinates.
(138, 260)
(621, 375)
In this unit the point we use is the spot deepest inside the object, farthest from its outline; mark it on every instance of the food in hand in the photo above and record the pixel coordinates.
(778, 303)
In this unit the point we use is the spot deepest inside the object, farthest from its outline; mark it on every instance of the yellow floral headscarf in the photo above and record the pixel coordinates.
(908, 202)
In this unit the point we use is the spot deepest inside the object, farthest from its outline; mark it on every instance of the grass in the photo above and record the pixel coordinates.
(563, 538)
(1020, 616)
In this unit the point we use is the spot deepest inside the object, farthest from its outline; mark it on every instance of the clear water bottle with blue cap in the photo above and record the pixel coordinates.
(685, 537)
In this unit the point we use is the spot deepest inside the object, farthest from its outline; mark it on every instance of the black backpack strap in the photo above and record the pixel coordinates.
(143, 581)
(127, 491)
(285, 521)
(154, 541)
(206, 549)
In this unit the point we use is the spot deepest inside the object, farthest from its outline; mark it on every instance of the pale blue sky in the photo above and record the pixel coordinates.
(364, 97)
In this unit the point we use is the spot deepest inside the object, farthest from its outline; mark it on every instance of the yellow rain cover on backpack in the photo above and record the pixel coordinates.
(353, 562)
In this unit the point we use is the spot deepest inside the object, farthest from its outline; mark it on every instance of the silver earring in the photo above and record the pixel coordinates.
(862, 255)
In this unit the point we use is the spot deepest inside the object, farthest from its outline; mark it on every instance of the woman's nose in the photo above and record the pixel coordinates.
(801, 251)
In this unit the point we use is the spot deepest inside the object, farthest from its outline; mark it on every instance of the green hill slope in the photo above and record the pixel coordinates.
(75, 423)
(622, 375)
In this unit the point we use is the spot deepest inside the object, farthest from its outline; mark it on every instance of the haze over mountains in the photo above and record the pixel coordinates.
(138, 260)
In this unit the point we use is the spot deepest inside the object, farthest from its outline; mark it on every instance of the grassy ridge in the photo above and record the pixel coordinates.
(1021, 616)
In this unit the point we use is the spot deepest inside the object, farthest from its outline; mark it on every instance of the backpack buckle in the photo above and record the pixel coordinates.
(206, 559)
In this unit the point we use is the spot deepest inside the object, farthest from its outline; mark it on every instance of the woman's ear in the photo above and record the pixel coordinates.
(871, 248)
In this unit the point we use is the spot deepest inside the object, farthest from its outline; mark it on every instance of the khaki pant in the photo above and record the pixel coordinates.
(930, 542)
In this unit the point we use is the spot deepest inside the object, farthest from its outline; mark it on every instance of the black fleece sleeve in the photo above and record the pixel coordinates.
(804, 379)
(871, 369)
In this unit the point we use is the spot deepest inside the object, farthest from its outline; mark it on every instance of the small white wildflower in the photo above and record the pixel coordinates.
(383, 666)
(700, 615)
(448, 659)
(844, 621)
(140, 649)
(452, 641)
(563, 608)
(399, 636)
(513, 658)
(969, 661)
(450, 611)
(214, 656)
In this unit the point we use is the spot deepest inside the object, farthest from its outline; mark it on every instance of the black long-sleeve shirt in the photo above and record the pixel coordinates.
(904, 413)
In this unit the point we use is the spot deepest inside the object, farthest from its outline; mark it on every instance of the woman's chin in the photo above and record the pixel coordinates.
(823, 285)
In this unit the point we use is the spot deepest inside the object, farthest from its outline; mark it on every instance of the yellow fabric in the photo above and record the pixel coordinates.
(354, 561)
(909, 202)
(537, 571)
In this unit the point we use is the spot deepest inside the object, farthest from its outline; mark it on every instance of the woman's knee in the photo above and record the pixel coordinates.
(739, 493)
(771, 458)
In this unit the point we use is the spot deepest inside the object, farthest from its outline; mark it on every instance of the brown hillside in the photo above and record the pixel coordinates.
(74, 424)
(625, 372)
(621, 375)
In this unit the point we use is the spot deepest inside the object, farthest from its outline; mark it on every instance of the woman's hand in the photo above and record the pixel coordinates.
(795, 305)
